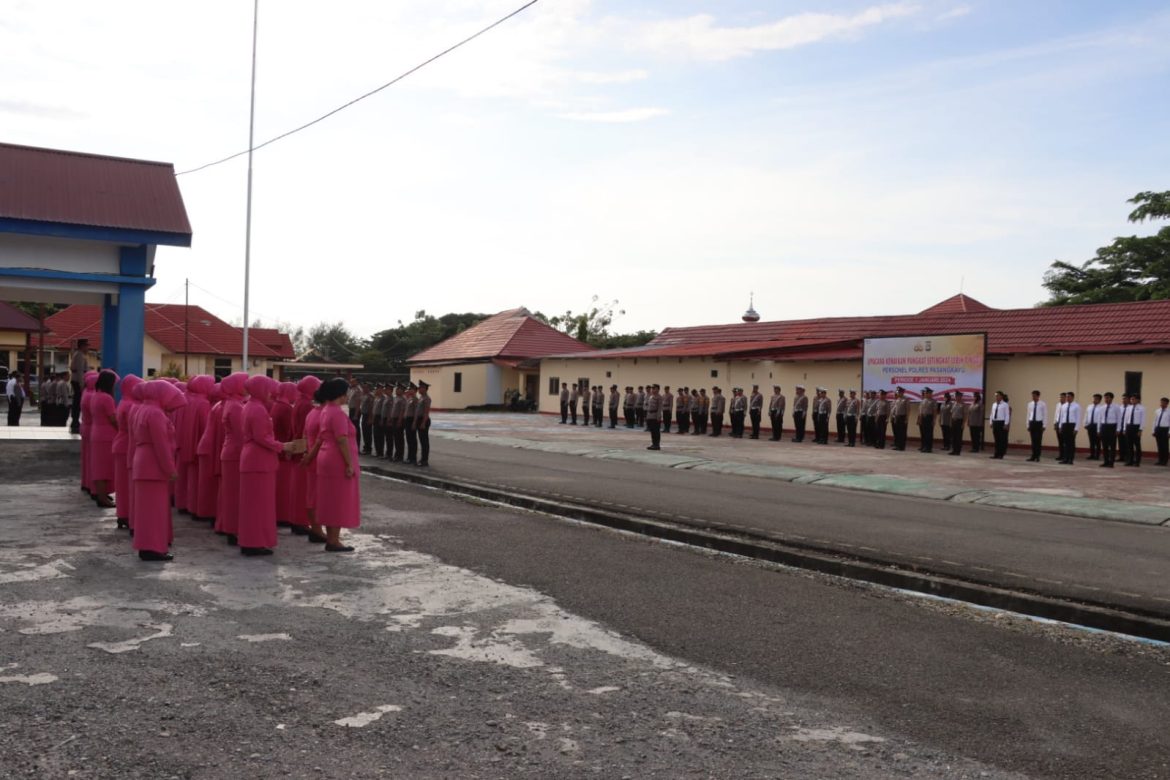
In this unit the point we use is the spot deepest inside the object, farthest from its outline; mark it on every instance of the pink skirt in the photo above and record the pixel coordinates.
(207, 492)
(193, 487)
(85, 484)
(339, 501)
(101, 462)
(227, 518)
(284, 490)
(152, 515)
(181, 486)
(122, 488)
(257, 518)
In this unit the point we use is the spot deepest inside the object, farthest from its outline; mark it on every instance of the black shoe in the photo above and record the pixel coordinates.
(316, 538)
(299, 530)
(1106, 465)
(151, 555)
(410, 462)
(123, 523)
(255, 551)
(231, 539)
(422, 464)
(338, 548)
(652, 447)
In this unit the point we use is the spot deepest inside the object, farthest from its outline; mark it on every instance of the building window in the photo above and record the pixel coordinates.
(1133, 382)
(583, 383)
(714, 373)
(458, 382)
(554, 385)
(608, 374)
(223, 367)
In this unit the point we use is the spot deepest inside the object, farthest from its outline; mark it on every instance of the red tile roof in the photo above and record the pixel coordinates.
(1113, 327)
(510, 334)
(12, 318)
(73, 188)
(165, 324)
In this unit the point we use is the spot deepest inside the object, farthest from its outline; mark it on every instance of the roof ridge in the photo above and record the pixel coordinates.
(90, 155)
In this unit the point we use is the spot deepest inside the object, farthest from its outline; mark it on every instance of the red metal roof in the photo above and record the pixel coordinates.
(73, 188)
(957, 304)
(165, 324)
(510, 334)
(12, 318)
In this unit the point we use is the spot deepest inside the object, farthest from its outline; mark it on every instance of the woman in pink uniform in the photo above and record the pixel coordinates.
(336, 452)
(121, 448)
(184, 455)
(227, 518)
(103, 427)
(154, 469)
(259, 462)
(194, 423)
(210, 444)
(282, 428)
(306, 388)
(91, 378)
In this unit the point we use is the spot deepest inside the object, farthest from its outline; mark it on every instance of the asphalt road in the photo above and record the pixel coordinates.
(1011, 693)
(1068, 557)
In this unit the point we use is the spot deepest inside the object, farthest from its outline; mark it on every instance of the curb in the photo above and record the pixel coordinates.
(1098, 615)
(1071, 506)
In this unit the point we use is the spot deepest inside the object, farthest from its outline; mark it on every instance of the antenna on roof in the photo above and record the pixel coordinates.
(962, 279)
(751, 315)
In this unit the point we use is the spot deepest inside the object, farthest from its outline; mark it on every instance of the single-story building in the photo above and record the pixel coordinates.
(1086, 349)
(180, 340)
(17, 339)
(490, 359)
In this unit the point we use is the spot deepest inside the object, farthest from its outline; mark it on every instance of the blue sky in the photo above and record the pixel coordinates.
(832, 157)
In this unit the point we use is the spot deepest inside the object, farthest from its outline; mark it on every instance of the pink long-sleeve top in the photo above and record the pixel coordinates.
(260, 449)
(121, 444)
(101, 409)
(195, 418)
(232, 419)
(91, 379)
(153, 434)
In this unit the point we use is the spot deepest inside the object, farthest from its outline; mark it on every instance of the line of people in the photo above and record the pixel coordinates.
(393, 421)
(878, 418)
(248, 455)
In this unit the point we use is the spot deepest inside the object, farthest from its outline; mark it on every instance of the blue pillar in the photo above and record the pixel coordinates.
(123, 323)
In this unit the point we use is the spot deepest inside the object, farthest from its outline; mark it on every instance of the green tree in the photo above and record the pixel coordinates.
(397, 344)
(334, 341)
(1132, 268)
(593, 326)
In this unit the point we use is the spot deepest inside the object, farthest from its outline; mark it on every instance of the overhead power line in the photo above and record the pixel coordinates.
(371, 93)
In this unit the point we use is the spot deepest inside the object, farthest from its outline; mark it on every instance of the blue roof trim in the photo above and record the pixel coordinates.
(70, 276)
(34, 227)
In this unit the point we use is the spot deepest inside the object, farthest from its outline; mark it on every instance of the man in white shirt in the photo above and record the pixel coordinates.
(1056, 418)
(1162, 431)
(15, 392)
(1001, 419)
(1134, 421)
(1122, 438)
(1068, 418)
(1110, 422)
(1093, 427)
(1037, 416)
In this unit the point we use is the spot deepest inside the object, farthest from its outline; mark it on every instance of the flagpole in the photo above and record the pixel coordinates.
(248, 222)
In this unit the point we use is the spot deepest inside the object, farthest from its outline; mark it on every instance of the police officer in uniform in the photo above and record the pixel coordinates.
(738, 411)
(586, 404)
(640, 407)
(756, 410)
(852, 411)
(958, 418)
(926, 411)
(574, 399)
(799, 413)
(408, 422)
(705, 410)
(684, 415)
(899, 417)
(422, 424)
(822, 408)
(842, 405)
(379, 412)
(654, 417)
(975, 420)
(718, 406)
(881, 418)
(628, 409)
(944, 420)
(614, 400)
(564, 403)
(598, 405)
(667, 408)
(396, 452)
(776, 412)
(1134, 423)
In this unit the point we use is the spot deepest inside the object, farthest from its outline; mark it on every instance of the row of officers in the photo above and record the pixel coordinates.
(1114, 426)
(393, 421)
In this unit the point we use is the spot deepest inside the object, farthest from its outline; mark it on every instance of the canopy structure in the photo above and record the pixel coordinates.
(84, 228)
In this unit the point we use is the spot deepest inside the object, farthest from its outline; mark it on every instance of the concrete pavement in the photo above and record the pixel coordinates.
(1134, 495)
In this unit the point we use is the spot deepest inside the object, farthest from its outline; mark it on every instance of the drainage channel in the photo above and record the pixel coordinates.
(1105, 617)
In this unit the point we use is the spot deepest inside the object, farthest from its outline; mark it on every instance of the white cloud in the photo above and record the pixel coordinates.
(954, 13)
(627, 115)
(700, 37)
